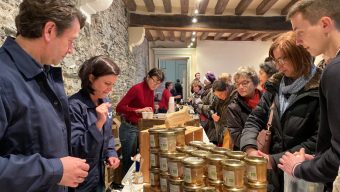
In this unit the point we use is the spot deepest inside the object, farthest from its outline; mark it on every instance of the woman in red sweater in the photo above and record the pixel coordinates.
(138, 99)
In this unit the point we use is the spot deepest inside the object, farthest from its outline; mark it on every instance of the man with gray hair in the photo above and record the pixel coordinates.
(317, 26)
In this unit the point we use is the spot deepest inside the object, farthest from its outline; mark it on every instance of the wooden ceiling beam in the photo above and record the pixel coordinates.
(220, 6)
(130, 5)
(264, 6)
(167, 6)
(252, 23)
(202, 8)
(160, 35)
(247, 36)
(183, 36)
(218, 36)
(171, 36)
(270, 36)
(285, 10)
(148, 35)
(184, 7)
(232, 36)
(242, 6)
(150, 6)
(204, 35)
(260, 36)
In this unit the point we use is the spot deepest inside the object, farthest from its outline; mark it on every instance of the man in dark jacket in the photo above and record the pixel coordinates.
(34, 121)
(317, 25)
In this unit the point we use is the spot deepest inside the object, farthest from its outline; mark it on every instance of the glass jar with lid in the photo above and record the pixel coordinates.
(193, 170)
(233, 173)
(236, 154)
(167, 141)
(256, 169)
(215, 171)
(153, 136)
(186, 149)
(175, 165)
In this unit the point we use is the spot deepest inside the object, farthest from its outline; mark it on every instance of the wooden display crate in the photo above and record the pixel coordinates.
(191, 134)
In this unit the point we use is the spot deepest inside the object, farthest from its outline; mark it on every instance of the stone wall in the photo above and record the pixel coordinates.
(107, 35)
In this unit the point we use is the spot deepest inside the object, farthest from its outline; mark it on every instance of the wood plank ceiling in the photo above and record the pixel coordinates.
(219, 20)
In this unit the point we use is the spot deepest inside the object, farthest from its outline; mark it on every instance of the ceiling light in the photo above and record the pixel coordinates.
(193, 39)
(196, 11)
(194, 33)
(194, 20)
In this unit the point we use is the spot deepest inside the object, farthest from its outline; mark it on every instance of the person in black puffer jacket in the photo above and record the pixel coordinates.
(295, 92)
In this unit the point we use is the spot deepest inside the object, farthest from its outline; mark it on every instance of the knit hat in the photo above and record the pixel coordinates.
(210, 77)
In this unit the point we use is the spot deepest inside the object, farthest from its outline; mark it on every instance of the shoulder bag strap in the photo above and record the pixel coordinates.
(269, 123)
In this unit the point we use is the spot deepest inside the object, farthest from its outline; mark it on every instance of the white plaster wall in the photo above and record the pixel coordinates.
(228, 56)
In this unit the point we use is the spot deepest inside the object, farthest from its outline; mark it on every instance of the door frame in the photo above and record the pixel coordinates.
(188, 54)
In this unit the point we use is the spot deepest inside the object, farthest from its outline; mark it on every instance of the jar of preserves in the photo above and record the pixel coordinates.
(154, 157)
(215, 171)
(220, 150)
(201, 153)
(154, 177)
(153, 136)
(207, 146)
(236, 155)
(175, 185)
(167, 141)
(195, 188)
(256, 169)
(180, 135)
(233, 173)
(208, 189)
(193, 170)
(233, 189)
(175, 165)
(163, 161)
(186, 149)
(163, 181)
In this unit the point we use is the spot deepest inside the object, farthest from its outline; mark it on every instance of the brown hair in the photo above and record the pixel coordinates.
(296, 54)
(194, 84)
(98, 66)
(34, 14)
(313, 10)
(157, 73)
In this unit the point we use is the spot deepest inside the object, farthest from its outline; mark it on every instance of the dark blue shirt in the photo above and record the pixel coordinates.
(88, 142)
(33, 122)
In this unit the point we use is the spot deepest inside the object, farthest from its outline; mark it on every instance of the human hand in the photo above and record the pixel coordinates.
(102, 113)
(113, 162)
(215, 117)
(145, 109)
(252, 152)
(74, 171)
(269, 163)
(288, 161)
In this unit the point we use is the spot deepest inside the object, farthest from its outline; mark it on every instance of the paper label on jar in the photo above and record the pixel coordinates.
(163, 164)
(229, 178)
(164, 184)
(251, 172)
(152, 160)
(212, 172)
(187, 175)
(173, 169)
(163, 143)
(152, 179)
(174, 188)
(152, 141)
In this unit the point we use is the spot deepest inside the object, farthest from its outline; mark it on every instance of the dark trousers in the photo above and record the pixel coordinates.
(128, 135)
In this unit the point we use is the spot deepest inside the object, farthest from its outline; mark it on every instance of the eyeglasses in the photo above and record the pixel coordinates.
(157, 82)
(280, 60)
(243, 83)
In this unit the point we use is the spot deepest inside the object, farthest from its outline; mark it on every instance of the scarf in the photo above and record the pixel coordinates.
(253, 101)
(287, 93)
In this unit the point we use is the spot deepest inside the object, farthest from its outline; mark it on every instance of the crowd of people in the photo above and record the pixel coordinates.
(50, 142)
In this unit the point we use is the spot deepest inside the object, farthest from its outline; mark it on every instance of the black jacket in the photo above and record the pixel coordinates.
(296, 128)
(237, 114)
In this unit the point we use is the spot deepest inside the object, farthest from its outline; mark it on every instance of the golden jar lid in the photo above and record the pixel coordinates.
(216, 157)
(166, 154)
(154, 170)
(192, 188)
(220, 150)
(233, 163)
(257, 185)
(255, 160)
(164, 174)
(200, 153)
(178, 156)
(233, 189)
(186, 149)
(215, 182)
(196, 143)
(156, 130)
(166, 133)
(236, 154)
(207, 146)
(176, 181)
(208, 189)
(193, 161)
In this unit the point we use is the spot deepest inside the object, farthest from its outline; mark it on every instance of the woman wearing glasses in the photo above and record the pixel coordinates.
(245, 99)
(91, 120)
(139, 98)
(294, 91)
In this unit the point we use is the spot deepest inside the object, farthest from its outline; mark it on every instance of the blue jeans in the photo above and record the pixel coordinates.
(128, 135)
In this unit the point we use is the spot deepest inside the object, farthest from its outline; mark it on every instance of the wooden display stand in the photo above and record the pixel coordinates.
(191, 134)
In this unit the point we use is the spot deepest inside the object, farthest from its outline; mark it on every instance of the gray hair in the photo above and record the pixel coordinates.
(249, 72)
